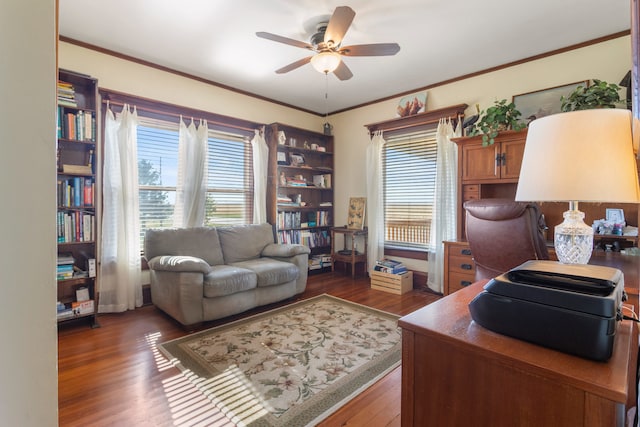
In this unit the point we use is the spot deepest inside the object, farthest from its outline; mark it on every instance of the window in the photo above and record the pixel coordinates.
(157, 172)
(229, 183)
(409, 176)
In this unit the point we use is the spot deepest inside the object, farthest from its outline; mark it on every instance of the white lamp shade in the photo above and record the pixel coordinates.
(326, 62)
(584, 156)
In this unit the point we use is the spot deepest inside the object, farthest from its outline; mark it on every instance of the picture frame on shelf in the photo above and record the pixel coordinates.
(411, 105)
(282, 158)
(615, 215)
(545, 102)
(296, 159)
(355, 216)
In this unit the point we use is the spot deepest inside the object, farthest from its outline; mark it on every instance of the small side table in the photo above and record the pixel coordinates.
(349, 256)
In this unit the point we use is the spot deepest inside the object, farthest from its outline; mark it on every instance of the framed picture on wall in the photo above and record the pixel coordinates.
(355, 216)
(540, 103)
(412, 104)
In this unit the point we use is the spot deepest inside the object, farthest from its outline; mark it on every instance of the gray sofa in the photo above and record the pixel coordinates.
(202, 274)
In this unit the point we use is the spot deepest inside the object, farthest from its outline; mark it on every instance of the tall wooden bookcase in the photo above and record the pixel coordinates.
(77, 197)
(300, 187)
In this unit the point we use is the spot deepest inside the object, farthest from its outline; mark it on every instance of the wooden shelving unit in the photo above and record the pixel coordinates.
(300, 186)
(77, 197)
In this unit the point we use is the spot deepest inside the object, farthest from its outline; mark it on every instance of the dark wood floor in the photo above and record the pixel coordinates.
(115, 376)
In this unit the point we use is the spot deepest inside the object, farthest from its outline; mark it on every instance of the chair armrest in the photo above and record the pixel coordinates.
(179, 263)
(284, 250)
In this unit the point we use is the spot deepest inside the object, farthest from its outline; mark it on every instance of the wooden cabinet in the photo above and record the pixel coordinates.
(459, 268)
(77, 197)
(493, 172)
(501, 161)
(488, 171)
(300, 186)
(455, 373)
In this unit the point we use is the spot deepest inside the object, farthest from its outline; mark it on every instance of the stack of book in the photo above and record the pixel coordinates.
(66, 94)
(63, 312)
(315, 262)
(64, 268)
(296, 182)
(390, 266)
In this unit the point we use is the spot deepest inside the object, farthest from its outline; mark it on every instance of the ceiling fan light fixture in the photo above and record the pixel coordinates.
(325, 62)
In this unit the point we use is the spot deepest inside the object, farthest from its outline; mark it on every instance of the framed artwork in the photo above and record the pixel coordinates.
(411, 105)
(296, 159)
(282, 158)
(355, 217)
(540, 103)
(615, 215)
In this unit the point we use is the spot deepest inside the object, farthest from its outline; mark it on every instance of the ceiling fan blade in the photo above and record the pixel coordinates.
(285, 40)
(338, 25)
(376, 49)
(294, 65)
(343, 72)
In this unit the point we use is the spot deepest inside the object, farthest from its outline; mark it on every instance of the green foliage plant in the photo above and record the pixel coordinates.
(501, 116)
(599, 95)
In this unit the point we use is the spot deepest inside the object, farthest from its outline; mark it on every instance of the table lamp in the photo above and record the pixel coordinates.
(580, 156)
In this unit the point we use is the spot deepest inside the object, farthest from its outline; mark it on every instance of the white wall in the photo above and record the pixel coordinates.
(608, 61)
(132, 78)
(28, 372)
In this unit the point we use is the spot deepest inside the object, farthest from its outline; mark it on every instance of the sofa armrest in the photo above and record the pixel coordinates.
(284, 250)
(179, 263)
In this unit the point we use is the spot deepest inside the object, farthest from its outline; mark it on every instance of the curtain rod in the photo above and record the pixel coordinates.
(178, 115)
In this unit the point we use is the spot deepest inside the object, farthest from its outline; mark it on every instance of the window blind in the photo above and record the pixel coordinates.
(409, 174)
(229, 198)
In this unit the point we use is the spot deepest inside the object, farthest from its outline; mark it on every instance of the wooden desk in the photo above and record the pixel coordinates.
(459, 269)
(353, 257)
(456, 373)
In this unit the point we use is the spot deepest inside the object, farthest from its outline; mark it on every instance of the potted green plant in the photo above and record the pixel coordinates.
(599, 95)
(501, 116)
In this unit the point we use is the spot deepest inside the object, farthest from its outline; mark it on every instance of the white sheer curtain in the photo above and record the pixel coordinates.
(191, 183)
(443, 220)
(260, 165)
(120, 283)
(375, 208)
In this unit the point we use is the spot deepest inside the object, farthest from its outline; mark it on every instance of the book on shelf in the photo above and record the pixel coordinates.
(79, 169)
(76, 192)
(322, 181)
(66, 258)
(312, 239)
(66, 94)
(75, 226)
(66, 313)
(75, 125)
(293, 182)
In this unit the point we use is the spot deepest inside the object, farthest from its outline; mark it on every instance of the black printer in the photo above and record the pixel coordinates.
(573, 308)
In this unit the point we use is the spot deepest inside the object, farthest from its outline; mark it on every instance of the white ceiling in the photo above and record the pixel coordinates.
(439, 40)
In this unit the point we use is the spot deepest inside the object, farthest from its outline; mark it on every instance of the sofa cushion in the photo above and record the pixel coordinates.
(179, 263)
(244, 242)
(226, 280)
(199, 242)
(270, 271)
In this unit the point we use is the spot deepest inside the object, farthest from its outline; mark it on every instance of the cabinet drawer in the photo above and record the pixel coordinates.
(470, 192)
(461, 264)
(458, 281)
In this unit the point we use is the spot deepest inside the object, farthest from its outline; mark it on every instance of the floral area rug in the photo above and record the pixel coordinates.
(292, 366)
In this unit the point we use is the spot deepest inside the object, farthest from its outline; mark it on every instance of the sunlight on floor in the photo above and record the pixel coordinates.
(196, 401)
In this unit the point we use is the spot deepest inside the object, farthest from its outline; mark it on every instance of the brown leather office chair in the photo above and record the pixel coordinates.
(503, 234)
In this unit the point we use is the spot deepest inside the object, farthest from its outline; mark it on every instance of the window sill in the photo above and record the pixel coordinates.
(419, 254)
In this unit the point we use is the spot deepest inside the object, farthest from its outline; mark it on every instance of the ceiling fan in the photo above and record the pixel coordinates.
(326, 45)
